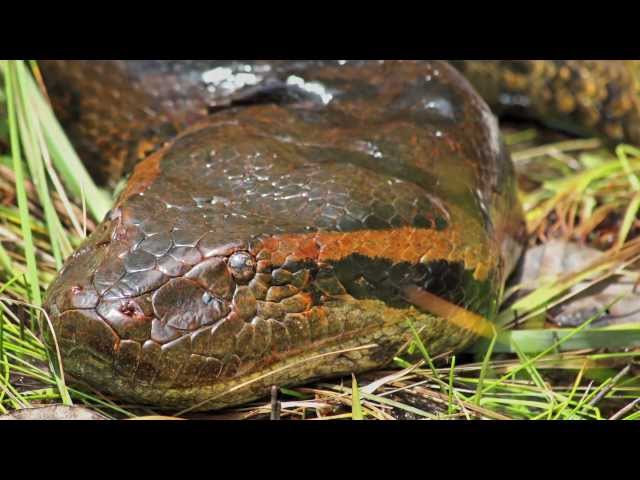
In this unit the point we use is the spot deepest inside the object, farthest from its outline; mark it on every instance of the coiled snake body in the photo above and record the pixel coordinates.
(293, 220)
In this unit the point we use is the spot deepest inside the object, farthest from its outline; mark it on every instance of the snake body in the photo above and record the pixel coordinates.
(293, 220)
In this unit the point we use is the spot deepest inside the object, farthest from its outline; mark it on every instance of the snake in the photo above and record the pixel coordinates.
(287, 221)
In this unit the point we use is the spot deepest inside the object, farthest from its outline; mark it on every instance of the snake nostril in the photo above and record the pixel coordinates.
(242, 266)
(129, 309)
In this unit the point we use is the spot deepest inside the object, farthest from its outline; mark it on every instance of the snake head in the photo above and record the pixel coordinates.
(127, 298)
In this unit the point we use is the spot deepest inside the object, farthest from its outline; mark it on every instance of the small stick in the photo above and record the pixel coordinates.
(275, 404)
(624, 410)
(608, 388)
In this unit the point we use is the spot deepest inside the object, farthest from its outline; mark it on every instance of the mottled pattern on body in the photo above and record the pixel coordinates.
(588, 97)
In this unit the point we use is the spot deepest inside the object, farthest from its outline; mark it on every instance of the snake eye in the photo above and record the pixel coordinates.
(242, 266)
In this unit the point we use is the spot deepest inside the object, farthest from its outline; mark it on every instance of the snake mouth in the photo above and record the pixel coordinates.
(363, 334)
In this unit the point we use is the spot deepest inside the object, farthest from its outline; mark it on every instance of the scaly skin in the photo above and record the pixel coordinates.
(303, 214)
(116, 112)
(587, 97)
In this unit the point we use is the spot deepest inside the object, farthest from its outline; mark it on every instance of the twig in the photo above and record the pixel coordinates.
(275, 404)
(608, 388)
(624, 409)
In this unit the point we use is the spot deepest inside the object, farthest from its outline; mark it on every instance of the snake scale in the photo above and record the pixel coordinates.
(292, 220)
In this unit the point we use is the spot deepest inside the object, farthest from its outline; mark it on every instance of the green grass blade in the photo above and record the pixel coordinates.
(564, 340)
(21, 194)
(356, 405)
(630, 216)
(64, 157)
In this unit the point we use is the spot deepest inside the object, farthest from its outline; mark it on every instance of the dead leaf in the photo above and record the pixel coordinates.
(53, 412)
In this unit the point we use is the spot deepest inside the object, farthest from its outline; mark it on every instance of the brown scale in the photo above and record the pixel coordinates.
(311, 209)
(115, 116)
(116, 112)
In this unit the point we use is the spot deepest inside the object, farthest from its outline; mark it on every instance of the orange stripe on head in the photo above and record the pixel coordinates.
(144, 174)
(405, 244)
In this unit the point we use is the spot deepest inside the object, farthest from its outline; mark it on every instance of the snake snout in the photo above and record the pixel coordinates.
(98, 322)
